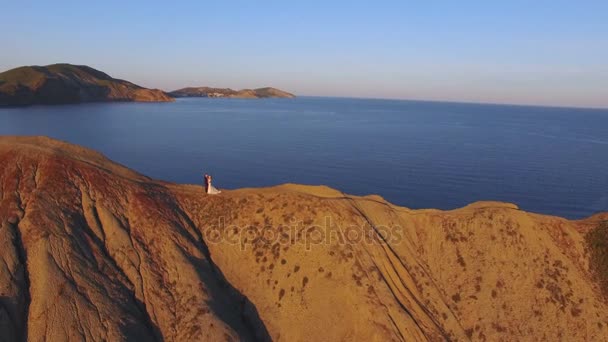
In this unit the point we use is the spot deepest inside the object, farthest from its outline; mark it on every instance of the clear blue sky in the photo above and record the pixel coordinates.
(529, 52)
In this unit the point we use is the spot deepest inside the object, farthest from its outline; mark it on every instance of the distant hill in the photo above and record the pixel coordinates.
(231, 93)
(67, 83)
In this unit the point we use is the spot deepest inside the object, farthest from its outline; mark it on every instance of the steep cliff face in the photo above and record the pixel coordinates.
(66, 83)
(92, 250)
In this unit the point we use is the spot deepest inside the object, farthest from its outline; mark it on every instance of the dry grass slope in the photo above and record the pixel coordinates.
(92, 250)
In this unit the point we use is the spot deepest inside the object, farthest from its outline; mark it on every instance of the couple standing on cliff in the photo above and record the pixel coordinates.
(210, 189)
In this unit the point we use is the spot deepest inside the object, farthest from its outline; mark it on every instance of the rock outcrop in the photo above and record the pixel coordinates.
(66, 83)
(258, 93)
(90, 250)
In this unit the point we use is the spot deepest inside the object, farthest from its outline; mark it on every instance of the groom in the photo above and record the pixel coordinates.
(207, 182)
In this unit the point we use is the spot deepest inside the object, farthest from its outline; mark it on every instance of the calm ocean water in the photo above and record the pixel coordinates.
(416, 154)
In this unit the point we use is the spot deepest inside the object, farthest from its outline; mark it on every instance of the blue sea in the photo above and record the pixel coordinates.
(415, 154)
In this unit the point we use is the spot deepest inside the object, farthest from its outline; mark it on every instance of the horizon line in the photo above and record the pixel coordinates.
(509, 104)
(472, 102)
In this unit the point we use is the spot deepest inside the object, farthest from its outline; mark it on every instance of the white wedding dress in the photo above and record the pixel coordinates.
(211, 190)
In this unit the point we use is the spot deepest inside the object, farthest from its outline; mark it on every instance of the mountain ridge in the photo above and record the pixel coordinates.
(67, 83)
(93, 250)
(266, 92)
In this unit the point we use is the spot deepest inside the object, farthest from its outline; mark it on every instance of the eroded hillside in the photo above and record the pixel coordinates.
(93, 251)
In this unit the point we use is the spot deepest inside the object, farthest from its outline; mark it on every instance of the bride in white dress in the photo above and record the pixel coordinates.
(211, 190)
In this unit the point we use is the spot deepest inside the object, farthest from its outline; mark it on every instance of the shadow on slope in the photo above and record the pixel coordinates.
(8, 327)
(226, 299)
(597, 242)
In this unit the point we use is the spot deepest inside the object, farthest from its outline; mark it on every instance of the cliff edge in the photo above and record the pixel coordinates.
(92, 250)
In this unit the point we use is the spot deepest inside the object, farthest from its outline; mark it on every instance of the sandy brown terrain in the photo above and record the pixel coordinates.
(90, 250)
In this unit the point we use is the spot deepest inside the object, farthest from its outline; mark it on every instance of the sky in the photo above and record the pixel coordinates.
(520, 52)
